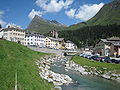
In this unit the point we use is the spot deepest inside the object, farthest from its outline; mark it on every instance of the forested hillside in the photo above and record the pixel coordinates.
(87, 36)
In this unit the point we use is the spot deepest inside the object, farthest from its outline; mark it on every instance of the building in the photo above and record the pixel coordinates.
(1, 34)
(53, 34)
(55, 43)
(115, 49)
(14, 35)
(108, 47)
(34, 39)
(70, 45)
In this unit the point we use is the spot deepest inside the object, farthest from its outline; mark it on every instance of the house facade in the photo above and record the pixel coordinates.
(1, 33)
(115, 49)
(55, 43)
(14, 35)
(70, 45)
(34, 39)
(108, 47)
(102, 47)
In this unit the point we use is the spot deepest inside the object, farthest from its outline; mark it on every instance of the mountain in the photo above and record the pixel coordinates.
(109, 14)
(88, 36)
(43, 26)
(105, 24)
(18, 58)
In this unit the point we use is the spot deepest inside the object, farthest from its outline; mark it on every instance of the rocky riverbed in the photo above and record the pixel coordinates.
(47, 74)
(87, 70)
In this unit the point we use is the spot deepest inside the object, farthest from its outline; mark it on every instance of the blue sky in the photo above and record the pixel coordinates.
(21, 12)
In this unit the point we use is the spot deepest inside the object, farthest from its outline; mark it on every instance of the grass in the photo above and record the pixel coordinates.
(17, 58)
(99, 65)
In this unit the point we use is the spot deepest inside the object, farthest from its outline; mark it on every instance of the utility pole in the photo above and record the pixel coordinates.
(16, 81)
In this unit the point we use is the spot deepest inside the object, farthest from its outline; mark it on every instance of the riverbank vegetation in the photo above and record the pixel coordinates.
(98, 65)
(16, 58)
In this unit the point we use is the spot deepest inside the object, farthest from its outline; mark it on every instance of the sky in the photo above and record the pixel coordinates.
(68, 12)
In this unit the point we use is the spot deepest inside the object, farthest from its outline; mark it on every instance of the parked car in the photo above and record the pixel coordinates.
(85, 55)
(81, 55)
(107, 59)
(89, 56)
(99, 58)
(94, 57)
(115, 61)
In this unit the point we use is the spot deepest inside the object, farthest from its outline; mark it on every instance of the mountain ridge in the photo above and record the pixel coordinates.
(109, 14)
(43, 26)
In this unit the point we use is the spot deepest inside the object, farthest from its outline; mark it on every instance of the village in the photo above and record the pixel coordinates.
(33, 39)
(103, 47)
(60, 45)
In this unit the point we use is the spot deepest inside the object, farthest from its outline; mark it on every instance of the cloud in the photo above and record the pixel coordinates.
(53, 5)
(70, 13)
(86, 12)
(33, 13)
(1, 14)
(13, 25)
(1, 21)
(5, 24)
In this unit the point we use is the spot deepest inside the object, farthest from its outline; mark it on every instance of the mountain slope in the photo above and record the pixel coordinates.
(109, 14)
(43, 26)
(17, 58)
(88, 36)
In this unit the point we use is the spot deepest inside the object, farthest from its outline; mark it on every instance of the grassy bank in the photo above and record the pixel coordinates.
(98, 65)
(17, 58)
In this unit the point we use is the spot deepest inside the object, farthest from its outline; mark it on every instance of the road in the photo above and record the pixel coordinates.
(46, 50)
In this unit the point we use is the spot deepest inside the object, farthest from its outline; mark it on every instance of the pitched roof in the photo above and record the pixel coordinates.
(104, 40)
(115, 42)
(10, 29)
(114, 39)
(68, 41)
(56, 39)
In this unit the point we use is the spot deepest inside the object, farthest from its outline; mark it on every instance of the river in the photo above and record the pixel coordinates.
(83, 82)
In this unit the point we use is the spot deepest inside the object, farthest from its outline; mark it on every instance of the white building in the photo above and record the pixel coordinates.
(70, 45)
(34, 39)
(14, 35)
(1, 33)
